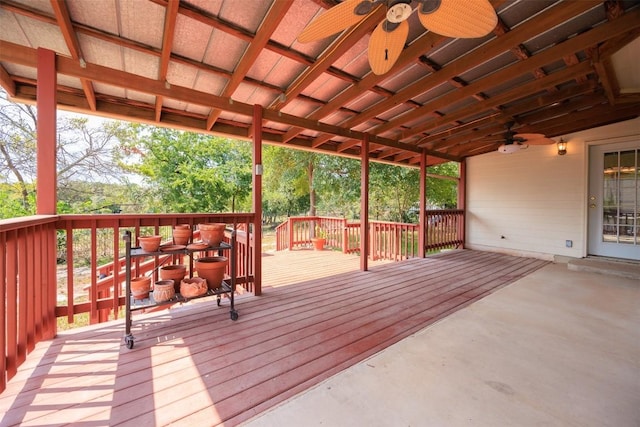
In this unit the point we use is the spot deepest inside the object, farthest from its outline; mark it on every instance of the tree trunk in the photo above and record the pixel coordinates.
(312, 191)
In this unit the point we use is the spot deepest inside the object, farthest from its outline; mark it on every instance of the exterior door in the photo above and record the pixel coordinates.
(614, 200)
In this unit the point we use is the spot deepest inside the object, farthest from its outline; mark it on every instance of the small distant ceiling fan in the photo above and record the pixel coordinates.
(519, 141)
(450, 18)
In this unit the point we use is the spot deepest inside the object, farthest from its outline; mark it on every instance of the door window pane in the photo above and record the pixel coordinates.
(621, 197)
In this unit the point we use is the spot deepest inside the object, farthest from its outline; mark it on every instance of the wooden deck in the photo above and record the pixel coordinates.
(192, 365)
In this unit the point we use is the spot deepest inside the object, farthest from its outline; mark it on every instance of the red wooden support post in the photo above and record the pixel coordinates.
(364, 203)
(47, 133)
(462, 200)
(422, 212)
(257, 198)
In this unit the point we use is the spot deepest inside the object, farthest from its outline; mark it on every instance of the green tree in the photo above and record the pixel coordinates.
(84, 153)
(189, 172)
(289, 180)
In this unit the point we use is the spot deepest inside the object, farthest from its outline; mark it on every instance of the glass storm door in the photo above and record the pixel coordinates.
(614, 200)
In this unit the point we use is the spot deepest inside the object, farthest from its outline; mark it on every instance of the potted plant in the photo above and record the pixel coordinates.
(319, 239)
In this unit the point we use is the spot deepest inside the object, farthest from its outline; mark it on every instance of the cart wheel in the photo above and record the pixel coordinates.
(234, 315)
(128, 341)
(218, 300)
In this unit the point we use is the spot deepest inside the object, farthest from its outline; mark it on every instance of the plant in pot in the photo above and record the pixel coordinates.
(320, 238)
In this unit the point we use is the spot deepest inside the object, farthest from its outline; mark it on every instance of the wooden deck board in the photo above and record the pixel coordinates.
(192, 364)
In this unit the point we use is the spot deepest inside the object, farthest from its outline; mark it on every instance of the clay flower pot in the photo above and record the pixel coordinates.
(212, 233)
(175, 273)
(149, 243)
(140, 287)
(163, 290)
(318, 243)
(181, 234)
(190, 288)
(212, 269)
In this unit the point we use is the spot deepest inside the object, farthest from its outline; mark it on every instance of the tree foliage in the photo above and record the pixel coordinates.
(189, 172)
(84, 153)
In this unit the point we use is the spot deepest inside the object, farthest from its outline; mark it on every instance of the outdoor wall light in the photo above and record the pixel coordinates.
(562, 147)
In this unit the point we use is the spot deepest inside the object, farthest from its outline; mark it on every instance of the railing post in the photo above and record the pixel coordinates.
(345, 236)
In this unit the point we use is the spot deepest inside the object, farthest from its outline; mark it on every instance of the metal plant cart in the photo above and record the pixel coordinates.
(227, 286)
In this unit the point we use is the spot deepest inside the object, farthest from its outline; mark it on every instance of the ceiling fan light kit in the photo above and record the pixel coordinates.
(450, 18)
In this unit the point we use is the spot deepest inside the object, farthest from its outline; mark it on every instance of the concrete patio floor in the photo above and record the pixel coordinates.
(556, 348)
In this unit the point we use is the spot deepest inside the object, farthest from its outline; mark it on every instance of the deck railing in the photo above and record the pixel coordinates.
(38, 257)
(388, 240)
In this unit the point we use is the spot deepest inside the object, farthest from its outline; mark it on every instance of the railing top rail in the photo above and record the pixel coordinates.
(151, 219)
(26, 221)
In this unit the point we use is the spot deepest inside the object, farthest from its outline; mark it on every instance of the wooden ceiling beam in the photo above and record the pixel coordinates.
(546, 20)
(522, 91)
(341, 45)
(63, 20)
(603, 32)
(7, 82)
(599, 115)
(26, 56)
(170, 17)
(274, 16)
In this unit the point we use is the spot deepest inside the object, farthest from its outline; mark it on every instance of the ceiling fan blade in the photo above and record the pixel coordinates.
(529, 135)
(336, 19)
(458, 18)
(386, 44)
(534, 138)
(540, 141)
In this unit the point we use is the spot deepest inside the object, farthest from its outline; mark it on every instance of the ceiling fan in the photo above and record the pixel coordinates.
(519, 141)
(450, 18)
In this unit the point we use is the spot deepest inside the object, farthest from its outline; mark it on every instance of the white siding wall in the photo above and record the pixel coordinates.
(535, 198)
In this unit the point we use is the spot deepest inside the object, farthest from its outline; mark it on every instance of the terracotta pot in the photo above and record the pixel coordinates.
(175, 273)
(181, 234)
(318, 243)
(212, 269)
(212, 233)
(140, 287)
(195, 287)
(163, 290)
(149, 243)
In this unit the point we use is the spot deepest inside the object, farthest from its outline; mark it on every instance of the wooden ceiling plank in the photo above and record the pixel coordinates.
(63, 20)
(274, 16)
(546, 20)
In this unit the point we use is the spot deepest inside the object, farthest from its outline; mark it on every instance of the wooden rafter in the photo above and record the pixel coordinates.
(170, 16)
(273, 18)
(71, 39)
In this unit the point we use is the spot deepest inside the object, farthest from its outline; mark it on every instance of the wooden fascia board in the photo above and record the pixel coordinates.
(527, 89)
(520, 34)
